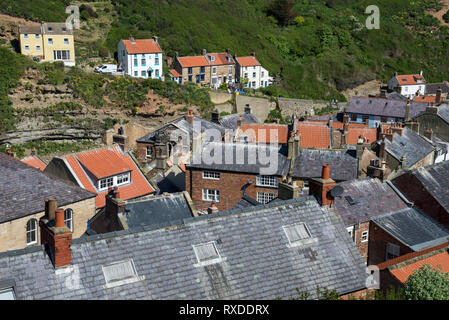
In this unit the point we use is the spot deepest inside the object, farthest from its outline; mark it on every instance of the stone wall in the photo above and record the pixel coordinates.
(300, 106)
(220, 97)
(260, 106)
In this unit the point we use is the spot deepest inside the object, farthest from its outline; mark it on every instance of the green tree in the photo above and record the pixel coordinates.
(427, 284)
(283, 11)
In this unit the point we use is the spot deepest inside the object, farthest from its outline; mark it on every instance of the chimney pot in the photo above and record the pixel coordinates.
(325, 172)
(59, 218)
(212, 209)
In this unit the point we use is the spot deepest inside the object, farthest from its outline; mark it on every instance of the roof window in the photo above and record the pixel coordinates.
(296, 233)
(120, 273)
(207, 253)
(350, 200)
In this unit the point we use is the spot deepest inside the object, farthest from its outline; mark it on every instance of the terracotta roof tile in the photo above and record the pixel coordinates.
(196, 61)
(34, 162)
(220, 58)
(426, 99)
(142, 46)
(175, 73)
(104, 162)
(314, 135)
(139, 184)
(410, 79)
(262, 133)
(247, 61)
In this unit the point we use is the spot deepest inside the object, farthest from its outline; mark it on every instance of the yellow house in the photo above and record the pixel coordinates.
(48, 42)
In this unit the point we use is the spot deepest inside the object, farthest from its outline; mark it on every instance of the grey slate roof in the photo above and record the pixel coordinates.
(309, 164)
(230, 121)
(371, 197)
(384, 107)
(431, 88)
(435, 179)
(246, 202)
(183, 124)
(396, 95)
(410, 144)
(443, 112)
(413, 228)
(243, 157)
(24, 188)
(156, 210)
(257, 262)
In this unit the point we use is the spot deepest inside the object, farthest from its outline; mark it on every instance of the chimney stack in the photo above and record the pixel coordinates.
(189, 116)
(56, 237)
(428, 133)
(321, 187)
(131, 39)
(203, 52)
(215, 116)
(50, 208)
(288, 189)
(155, 39)
(407, 110)
(397, 128)
(212, 209)
(438, 97)
(253, 54)
(176, 54)
(383, 93)
(228, 51)
(247, 109)
(239, 121)
(114, 207)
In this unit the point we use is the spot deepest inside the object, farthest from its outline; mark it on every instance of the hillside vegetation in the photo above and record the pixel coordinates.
(315, 48)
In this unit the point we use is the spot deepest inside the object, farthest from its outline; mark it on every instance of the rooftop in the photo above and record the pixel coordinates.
(195, 61)
(384, 107)
(410, 79)
(365, 198)
(219, 59)
(35, 162)
(255, 259)
(230, 121)
(142, 46)
(264, 133)
(24, 188)
(249, 61)
(413, 228)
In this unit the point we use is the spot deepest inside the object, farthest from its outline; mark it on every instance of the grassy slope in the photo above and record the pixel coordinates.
(313, 59)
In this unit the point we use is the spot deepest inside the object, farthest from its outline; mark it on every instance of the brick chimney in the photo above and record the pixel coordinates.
(388, 134)
(189, 116)
(397, 128)
(407, 110)
(56, 236)
(345, 122)
(155, 39)
(212, 209)
(288, 189)
(239, 121)
(294, 143)
(438, 97)
(114, 207)
(382, 154)
(377, 169)
(321, 187)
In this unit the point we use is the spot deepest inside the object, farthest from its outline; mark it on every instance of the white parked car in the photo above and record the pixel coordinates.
(107, 68)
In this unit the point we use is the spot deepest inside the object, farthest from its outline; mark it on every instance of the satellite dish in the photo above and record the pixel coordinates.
(337, 191)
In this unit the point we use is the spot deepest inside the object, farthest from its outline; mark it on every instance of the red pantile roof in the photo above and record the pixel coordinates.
(264, 133)
(196, 61)
(247, 61)
(34, 162)
(175, 73)
(142, 46)
(410, 79)
(220, 59)
(139, 185)
(315, 134)
(425, 99)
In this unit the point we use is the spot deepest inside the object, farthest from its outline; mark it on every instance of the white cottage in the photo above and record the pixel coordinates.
(250, 68)
(141, 58)
(408, 85)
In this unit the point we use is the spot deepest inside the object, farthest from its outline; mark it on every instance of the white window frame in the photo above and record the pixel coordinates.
(149, 150)
(38, 48)
(37, 36)
(136, 73)
(123, 179)
(210, 261)
(211, 175)
(211, 195)
(25, 35)
(214, 70)
(66, 41)
(297, 242)
(110, 283)
(68, 218)
(107, 182)
(265, 197)
(50, 41)
(351, 232)
(365, 236)
(27, 47)
(31, 231)
(267, 181)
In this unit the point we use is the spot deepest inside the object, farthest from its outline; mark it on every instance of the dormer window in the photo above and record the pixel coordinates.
(212, 58)
(115, 181)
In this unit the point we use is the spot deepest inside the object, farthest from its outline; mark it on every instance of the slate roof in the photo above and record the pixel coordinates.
(396, 96)
(435, 179)
(58, 28)
(246, 202)
(30, 29)
(156, 210)
(410, 144)
(443, 112)
(241, 157)
(431, 88)
(384, 107)
(183, 124)
(309, 164)
(24, 188)
(230, 121)
(257, 262)
(371, 197)
(413, 228)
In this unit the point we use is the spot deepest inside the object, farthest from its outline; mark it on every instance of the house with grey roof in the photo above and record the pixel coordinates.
(362, 199)
(23, 190)
(234, 121)
(428, 188)
(377, 110)
(402, 232)
(434, 122)
(263, 252)
(140, 212)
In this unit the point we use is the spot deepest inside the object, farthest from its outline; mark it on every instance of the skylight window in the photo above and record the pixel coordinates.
(7, 294)
(120, 273)
(296, 233)
(207, 253)
(350, 200)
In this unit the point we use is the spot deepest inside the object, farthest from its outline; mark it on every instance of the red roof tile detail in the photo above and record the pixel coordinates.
(247, 61)
(410, 79)
(354, 133)
(220, 58)
(264, 133)
(139, 184)
(34, 162)
(142, 46)
(104, 162)
(190, 62)
(175, 73)
(314, 134)
(425, 99)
